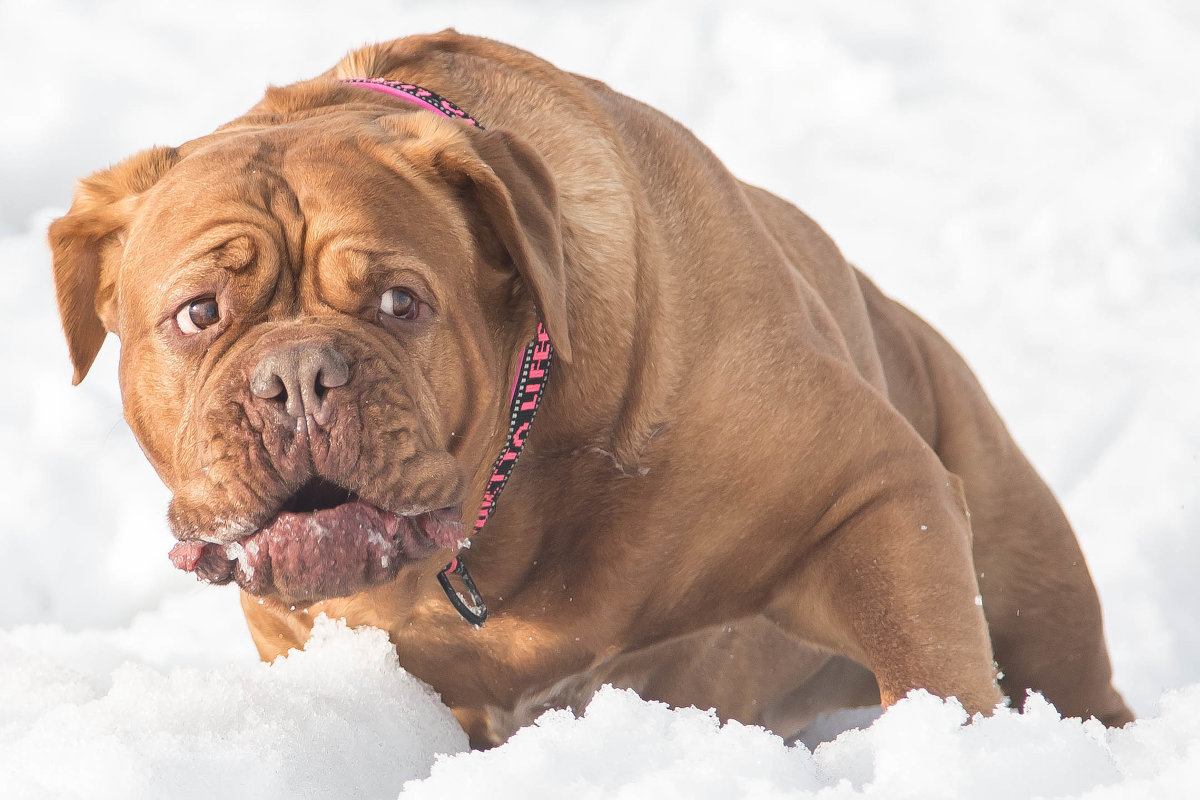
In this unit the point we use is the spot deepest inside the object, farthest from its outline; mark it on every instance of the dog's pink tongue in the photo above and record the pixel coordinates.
(186, 555)
(331, 552)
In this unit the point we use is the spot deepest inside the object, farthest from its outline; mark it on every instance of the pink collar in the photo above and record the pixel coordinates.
(527, 389)
(527, 392)
(416, 95)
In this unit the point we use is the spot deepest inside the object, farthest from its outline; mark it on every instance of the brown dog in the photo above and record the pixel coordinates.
(749, 480)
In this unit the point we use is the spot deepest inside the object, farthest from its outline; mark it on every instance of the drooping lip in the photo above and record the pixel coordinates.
(325, 552)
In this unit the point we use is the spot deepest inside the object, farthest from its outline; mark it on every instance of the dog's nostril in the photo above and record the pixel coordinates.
(266, 384)
(333, 372)
(330, 376)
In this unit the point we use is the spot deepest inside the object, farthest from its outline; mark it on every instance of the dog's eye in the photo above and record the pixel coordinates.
(198, 314)
(399, 303)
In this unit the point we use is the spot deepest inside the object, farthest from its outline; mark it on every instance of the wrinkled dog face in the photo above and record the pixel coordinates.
(316, 321)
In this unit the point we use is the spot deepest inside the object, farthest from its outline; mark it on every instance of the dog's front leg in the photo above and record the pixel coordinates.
(892, 586)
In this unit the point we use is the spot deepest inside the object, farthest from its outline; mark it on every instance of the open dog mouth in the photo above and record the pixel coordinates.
(325, 541)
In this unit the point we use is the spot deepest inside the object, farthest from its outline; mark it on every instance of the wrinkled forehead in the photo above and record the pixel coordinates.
(300, 195)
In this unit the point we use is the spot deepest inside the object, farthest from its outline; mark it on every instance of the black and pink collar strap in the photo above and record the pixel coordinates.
(416, 95)
(526, 395)
(527, 389)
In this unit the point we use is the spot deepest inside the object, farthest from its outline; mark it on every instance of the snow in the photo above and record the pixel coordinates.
(343, 721)
(1023, 174)
(918, 749)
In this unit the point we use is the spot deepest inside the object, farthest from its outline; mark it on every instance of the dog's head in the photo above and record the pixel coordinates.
(319, 311)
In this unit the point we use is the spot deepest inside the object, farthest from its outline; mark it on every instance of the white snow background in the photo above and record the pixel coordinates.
(1026, 175)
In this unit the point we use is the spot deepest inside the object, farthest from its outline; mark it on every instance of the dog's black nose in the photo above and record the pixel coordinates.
(298, 376)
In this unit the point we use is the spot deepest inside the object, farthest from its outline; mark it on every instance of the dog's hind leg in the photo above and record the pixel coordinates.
(1038, 597)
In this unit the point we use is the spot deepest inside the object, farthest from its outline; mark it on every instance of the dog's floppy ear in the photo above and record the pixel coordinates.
(514, 188)
(87, 244)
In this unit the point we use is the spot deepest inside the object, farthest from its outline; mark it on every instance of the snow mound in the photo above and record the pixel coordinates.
(339, 720)
(624, 747)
